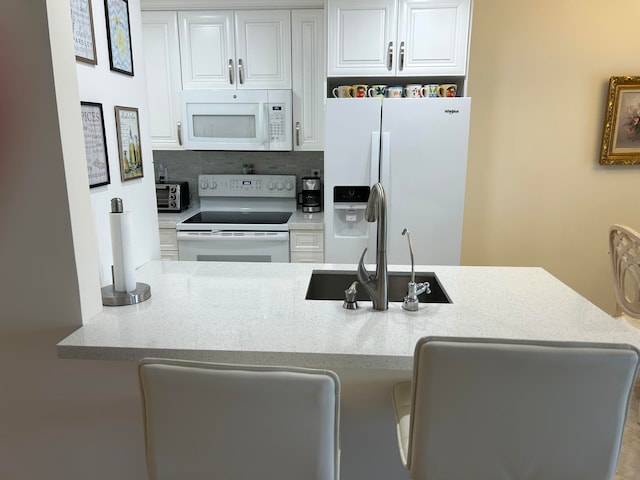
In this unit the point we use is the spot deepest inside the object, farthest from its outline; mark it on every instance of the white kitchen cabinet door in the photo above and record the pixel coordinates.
(207, 49)
(433, 37)
(244, 49)
(306, 246)
(162, 67)
(398, 37)
(263, 48)
(308, 78)
(362, 37)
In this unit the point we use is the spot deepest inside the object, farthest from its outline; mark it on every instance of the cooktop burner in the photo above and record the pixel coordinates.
(250, 218)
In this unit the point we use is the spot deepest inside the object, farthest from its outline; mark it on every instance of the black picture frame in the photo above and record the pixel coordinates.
(119, 36)
(95, 144)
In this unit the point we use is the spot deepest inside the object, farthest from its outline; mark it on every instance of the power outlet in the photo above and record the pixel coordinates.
(315, 172)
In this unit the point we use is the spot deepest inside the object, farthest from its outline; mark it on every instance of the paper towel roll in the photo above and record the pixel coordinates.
(124, 272)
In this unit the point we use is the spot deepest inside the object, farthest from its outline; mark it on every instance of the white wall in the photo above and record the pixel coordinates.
(97, 83)
(59, 419)
(43, 215)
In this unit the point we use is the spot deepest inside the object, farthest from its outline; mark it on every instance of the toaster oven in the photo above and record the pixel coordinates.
(172, 196)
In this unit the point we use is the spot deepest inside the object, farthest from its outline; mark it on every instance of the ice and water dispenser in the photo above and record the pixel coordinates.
(349, 205)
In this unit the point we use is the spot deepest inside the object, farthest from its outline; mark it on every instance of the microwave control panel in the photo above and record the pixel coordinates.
(277, 123)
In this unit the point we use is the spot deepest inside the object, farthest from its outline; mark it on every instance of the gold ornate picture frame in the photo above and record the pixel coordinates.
(621, 132)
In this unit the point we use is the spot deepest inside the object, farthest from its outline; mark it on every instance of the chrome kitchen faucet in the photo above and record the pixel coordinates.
(377, 286)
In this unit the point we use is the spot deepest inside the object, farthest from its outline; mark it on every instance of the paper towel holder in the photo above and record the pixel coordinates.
(113, 298)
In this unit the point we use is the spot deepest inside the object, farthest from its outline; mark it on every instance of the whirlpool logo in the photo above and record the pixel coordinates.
(451, 111)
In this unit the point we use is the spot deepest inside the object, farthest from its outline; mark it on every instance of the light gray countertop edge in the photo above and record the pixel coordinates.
(257, 314)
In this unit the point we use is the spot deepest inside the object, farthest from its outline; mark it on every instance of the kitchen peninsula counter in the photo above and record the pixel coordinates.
(257, 313)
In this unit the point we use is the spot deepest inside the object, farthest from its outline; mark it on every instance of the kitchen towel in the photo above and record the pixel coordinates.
(124, 273)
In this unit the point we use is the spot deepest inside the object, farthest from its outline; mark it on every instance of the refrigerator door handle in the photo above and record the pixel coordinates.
(375, 158)
(385, 161)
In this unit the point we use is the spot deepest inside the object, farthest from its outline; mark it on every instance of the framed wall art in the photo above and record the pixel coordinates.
(95, 146)
(621, 132)
(129, 151)
(119, 36)
(84, 39)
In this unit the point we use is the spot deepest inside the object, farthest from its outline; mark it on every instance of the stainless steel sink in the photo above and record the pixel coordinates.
(331, 284)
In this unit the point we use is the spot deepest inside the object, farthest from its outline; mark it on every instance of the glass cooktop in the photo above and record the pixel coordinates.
(250, 218)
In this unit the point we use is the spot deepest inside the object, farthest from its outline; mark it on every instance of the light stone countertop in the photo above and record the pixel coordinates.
(256, 313)
(306, 221)
(170, 219)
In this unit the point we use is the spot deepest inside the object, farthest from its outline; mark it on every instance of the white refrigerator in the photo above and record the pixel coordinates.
(417, 149)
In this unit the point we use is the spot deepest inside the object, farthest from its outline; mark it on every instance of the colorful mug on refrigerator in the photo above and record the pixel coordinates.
(447, 90)
(394, 91)
(377, 91)
(414, 90)
(343, 91)
(431, 91)
(360, 91)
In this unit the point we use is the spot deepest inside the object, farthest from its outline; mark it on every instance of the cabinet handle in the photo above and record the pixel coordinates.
(401, 55)
(240, 71)
(390, 56)
(231, 71)
(180, 133)
(298, 134)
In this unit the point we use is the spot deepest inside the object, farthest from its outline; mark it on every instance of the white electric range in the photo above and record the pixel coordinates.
(242, 218)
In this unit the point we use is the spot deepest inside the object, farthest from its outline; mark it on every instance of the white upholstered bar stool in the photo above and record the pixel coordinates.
(212, 421)
(624, 251)
(491, 409)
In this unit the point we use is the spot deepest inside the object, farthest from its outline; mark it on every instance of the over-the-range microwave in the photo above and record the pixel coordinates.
(237, 120)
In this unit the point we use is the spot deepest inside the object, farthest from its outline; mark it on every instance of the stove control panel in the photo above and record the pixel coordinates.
(247, 186)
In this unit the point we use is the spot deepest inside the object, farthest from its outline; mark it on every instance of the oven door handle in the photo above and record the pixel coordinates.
(235, 236)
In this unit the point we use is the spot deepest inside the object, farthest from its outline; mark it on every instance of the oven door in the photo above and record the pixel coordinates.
(229, 246)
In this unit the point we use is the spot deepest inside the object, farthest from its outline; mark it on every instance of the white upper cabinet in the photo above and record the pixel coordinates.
(162, 67)
(398, 37)
(242, 49)
(308, 75)
(433, 37)
(207, 49)
(360, 35)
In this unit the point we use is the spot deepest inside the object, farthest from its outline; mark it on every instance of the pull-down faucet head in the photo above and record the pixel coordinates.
(377, 286)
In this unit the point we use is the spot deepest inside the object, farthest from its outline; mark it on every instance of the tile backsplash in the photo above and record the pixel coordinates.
(187, 165)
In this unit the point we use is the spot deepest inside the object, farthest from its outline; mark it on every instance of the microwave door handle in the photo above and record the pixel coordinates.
(265, 132)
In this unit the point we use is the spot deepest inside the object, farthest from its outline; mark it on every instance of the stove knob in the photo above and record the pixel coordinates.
(289, 186)
(271, 186)
(214, 185)
(204, 185)
(280, 185)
